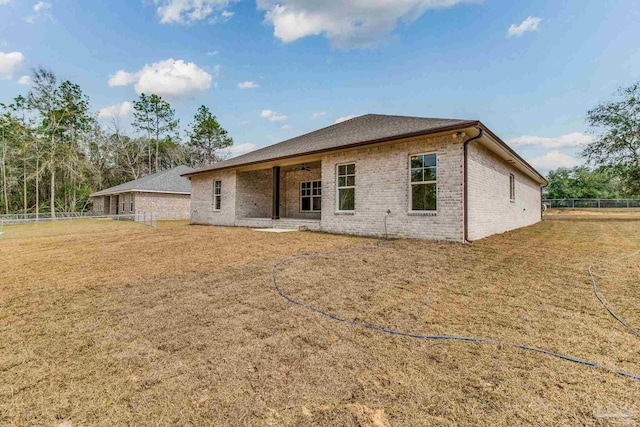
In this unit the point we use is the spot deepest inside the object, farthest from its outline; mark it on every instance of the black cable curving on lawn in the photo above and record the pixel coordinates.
(274, 277)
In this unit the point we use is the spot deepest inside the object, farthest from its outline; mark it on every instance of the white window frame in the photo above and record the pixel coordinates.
(411, 184)
(217, 195)
(131, 203)
(512, 188)
(346, 187)
(123, 203)
(311, 196)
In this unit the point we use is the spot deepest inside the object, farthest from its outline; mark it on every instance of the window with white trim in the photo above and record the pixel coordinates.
(512, 187)
(424, 182)
(122, 211)
(131, 203)
(217, 195)
(310, 196)
(346, 196)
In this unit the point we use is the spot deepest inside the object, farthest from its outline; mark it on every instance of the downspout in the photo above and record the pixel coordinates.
(465, 179)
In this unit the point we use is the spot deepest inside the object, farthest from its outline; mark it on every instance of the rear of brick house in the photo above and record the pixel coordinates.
(376, 175)
(166, 194)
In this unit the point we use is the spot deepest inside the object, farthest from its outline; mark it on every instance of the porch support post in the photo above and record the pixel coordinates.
(275, 199)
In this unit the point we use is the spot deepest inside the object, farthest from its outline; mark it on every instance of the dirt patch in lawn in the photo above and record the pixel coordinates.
(204, 338)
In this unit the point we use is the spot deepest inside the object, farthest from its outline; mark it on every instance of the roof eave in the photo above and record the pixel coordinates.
(543, 181)
(135, 190)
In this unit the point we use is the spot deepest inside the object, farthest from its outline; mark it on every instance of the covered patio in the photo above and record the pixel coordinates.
(280, 197)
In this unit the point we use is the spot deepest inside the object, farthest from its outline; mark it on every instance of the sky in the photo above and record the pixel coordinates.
(274, 69)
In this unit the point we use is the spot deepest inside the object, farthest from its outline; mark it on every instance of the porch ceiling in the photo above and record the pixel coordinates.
(287, 165)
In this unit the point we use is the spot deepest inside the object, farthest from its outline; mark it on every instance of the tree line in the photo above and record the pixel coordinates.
(54, 153)
(613, 158)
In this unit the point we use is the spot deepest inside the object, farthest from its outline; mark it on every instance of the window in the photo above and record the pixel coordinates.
(512, 187)
(217, 195)
(347, 187)
(310, 196)
(131, 203)
(424, 182)
(122, 204)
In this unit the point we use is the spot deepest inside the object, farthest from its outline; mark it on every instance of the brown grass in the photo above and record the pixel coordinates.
(181, 325)
(65, 227)
(584, 213)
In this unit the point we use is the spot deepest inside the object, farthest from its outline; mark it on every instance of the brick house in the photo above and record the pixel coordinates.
(165, 193)
(410, 177)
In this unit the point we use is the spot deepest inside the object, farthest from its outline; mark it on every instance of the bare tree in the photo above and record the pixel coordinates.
(154, 116)
(44, 98)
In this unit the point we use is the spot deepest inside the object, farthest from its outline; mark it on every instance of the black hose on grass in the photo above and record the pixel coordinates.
(603, 302)
(274, 277)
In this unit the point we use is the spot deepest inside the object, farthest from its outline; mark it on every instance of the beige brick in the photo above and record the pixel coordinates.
(382, 184)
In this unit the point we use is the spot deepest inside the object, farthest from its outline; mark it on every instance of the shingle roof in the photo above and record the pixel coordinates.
(169, 181)
(368, 128)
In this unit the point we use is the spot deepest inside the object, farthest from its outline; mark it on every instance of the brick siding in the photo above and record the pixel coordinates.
(165, 205)
(202, 211)
(490, 208)
(382, 183)
(290, 203)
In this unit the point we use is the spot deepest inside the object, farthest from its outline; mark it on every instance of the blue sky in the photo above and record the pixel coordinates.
(273, 69)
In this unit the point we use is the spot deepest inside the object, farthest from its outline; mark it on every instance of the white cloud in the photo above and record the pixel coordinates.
(346, 23)
(553, 160)
(318, 115)
(241, 148)
(189, 11)
(213, 53)
(121, 78)
(9, 64)
(286, 127)
(244, 122)
(227, 14)
(168, 78)
(5, 1)
(574, 139)
(248, 85)
(41, 6)
(25, 80)
(273, 116)
(116, 110)
(344, 119)
(529, 24)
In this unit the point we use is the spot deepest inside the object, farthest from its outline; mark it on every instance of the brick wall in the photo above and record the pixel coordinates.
(202, 199)
(113, 204)
(166, 206)
(98, 206)
(253, 194)
(490, 208)
(382, 183)
(290, 193)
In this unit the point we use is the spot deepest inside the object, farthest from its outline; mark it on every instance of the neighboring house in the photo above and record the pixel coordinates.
(165, 193)
(374, 175)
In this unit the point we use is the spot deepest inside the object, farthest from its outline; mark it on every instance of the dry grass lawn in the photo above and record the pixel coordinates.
(181, 325)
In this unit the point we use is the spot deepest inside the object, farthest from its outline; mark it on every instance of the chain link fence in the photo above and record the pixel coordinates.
(67, 223)
(592, 203)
